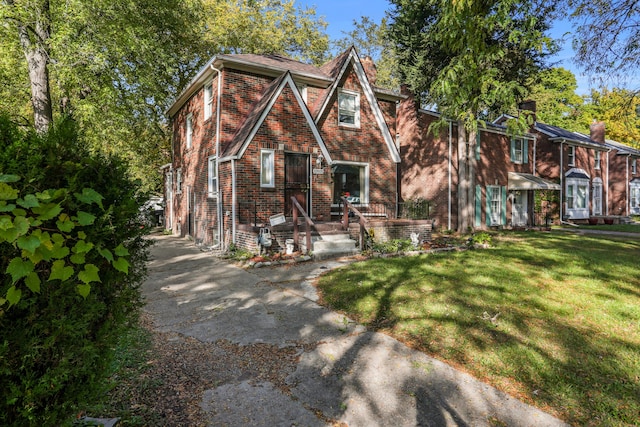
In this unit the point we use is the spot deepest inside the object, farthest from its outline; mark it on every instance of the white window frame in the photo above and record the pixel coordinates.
(597, 160)
(179, 181)
(573, 195)
(518, 153)
(212, 180)
(571, 155)
(496, 205)
(634, 198)
(634, 167)
(188, 131)
(267, 168)
(597, 196)
(208, 100)
(364, 180)
(355, 113)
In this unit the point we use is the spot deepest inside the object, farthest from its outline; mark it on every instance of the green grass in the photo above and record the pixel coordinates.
(567, 336)
(627, 228)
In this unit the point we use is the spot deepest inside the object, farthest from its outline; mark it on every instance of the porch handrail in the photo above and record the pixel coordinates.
(310, 223)
(362, 220)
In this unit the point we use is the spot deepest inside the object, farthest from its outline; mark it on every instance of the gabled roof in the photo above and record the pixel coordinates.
(556, 133)
(622, 149)
(269, 65)
(261, 109)
(337, 69)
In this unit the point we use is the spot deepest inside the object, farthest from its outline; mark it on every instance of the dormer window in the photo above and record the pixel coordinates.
(348, 109)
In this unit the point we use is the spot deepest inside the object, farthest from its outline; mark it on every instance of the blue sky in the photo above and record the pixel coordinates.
(339, 14)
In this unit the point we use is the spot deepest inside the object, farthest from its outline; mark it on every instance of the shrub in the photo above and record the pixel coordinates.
(73, 255)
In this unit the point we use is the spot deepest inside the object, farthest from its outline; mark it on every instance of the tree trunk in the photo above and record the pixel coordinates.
(463, 179)
(471, 189)
(34, 40)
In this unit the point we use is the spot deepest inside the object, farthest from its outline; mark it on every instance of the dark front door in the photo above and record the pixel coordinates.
(296, 178)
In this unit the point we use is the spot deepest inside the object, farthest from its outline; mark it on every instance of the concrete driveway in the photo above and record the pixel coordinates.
(343, 375)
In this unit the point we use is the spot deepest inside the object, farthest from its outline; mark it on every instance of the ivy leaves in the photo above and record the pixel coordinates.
(52, 245)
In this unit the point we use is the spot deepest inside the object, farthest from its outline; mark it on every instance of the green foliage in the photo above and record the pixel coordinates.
(73, 256)
(482, 238)
(393, 246)
(369, 39)
(469, 58)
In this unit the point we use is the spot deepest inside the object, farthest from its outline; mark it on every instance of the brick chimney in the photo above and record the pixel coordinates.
(596, 131)
(529, 105)
(370, 69)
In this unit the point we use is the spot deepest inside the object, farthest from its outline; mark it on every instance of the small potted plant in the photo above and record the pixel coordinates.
(593, 221)
(608, 221)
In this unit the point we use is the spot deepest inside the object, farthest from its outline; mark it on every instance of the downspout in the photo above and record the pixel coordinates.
(233, 201)
(449, 178)
(218, 122)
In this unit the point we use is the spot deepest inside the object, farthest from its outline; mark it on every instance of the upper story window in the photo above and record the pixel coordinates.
(178, 181)
(572, 155)
(519, 150)
(208, 100)
(597, 160)
(213, 177)
(189, 130)
(348, 108)
(267, 169)
(633, 166)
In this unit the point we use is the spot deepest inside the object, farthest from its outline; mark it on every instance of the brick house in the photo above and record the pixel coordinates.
(252, 131)
(505, 179)
(624, 179)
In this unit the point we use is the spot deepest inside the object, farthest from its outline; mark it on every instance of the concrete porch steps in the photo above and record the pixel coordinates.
(329, 243)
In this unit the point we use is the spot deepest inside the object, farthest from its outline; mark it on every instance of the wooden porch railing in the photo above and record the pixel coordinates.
(297, 208)
(362, 220)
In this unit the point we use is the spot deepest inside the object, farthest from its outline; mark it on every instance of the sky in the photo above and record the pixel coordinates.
(340, 14)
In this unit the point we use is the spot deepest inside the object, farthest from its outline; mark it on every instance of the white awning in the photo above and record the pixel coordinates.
(526, 181)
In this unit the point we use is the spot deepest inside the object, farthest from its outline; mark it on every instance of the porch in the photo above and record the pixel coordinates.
(365, 223)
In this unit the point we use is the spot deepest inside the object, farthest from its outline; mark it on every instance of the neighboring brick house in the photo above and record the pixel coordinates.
(624, 179)
(505, 178)
(251, 131)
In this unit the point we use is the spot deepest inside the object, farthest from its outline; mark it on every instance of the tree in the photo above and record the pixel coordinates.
(617, 109)
(554, 91)
(116, 66)
(264, 26)
(370, 40)
(608, 31)
(468, 58)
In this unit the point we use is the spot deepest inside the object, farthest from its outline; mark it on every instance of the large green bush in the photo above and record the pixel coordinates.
(73, 256)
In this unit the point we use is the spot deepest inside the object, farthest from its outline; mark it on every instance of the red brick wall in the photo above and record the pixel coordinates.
(425, 162)
(365, 144)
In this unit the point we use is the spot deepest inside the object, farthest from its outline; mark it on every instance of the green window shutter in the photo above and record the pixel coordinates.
(503, 214)
(478, 145)
(478, 221)
(512, 150)
(487, 213)
(525, 151)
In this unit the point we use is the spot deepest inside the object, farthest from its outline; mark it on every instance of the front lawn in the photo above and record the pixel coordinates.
(550, 318)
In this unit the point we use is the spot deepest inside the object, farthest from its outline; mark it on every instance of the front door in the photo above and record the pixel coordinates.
(296, 178)
(519, 209)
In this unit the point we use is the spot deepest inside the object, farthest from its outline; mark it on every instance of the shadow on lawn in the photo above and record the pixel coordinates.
(512, 325)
